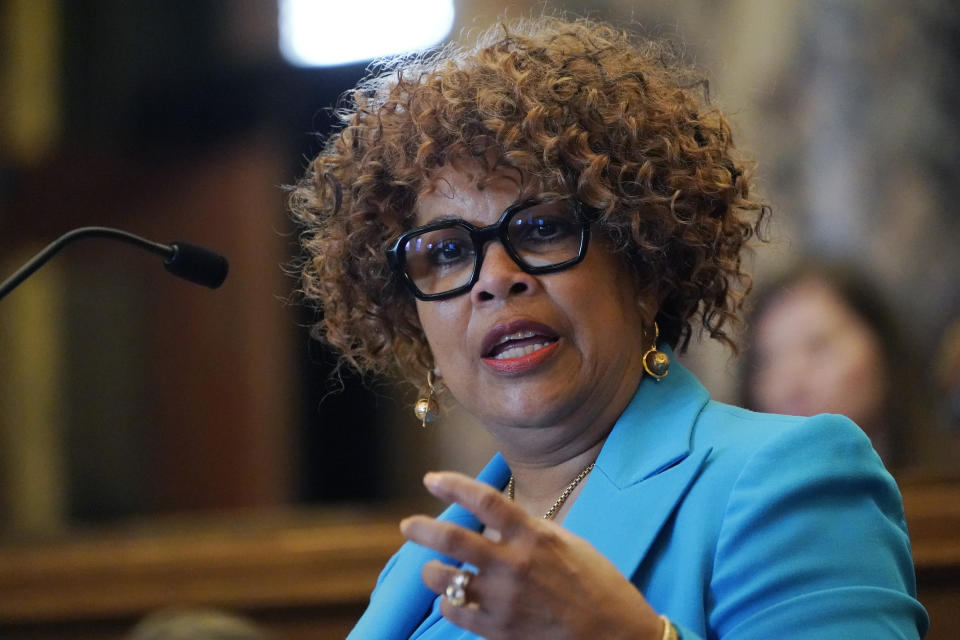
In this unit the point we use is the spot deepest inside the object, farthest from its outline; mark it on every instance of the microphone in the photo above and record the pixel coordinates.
(182, 259)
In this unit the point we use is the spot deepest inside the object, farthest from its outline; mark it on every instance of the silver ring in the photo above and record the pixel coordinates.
(457, 589)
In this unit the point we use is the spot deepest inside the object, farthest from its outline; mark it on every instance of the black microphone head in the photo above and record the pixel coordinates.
(197, 264)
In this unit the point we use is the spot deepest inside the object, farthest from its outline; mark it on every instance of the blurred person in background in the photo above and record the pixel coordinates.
(821, 339)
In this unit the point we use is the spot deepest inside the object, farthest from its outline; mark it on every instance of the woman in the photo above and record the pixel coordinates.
(821, 340)
(532, 225)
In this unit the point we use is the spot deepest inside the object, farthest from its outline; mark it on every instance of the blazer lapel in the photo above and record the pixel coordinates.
(401, 600)
(643, 471)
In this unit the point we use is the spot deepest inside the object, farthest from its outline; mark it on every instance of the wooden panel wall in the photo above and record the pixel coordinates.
(307, 576)
(933, 518)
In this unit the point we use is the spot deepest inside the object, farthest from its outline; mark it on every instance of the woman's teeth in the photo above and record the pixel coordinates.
(519, 352)
(519, 335)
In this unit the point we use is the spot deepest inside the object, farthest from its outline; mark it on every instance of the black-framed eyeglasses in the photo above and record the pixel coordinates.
(443, 259)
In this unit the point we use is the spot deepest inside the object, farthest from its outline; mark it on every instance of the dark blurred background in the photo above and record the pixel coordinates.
(124, 392)
(129, 392)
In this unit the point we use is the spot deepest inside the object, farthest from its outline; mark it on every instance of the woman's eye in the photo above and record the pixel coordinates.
(545, 229)
(448, 252)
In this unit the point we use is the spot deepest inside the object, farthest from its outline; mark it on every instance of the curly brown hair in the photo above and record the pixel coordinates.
(577, 107)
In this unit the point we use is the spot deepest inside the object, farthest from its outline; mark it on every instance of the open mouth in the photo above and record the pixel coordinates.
(519, 344)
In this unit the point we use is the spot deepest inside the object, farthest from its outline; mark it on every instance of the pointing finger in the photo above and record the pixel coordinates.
(486, 503)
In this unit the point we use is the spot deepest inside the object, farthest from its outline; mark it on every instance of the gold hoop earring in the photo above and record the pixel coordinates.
(426, 408)
(655, 362)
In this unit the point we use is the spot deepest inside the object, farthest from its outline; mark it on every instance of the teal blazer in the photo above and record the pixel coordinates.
(736, 525)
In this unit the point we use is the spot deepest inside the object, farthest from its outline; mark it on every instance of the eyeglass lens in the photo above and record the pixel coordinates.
(541, 235)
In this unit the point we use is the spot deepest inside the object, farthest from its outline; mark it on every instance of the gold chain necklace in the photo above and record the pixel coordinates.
(552, 511)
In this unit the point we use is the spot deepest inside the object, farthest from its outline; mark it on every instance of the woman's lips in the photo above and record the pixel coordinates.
(514, 330)
(521, 363)
(518, 345)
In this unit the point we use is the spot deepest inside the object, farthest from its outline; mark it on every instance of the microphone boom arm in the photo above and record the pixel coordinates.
(188, 261)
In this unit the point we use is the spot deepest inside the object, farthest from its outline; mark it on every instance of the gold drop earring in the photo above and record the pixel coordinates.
(655, 362)
(426, 408)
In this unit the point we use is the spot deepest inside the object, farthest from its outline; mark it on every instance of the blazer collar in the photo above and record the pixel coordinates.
(655, 430)
(643, 471)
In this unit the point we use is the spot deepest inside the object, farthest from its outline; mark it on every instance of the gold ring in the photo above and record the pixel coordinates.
(457, 589)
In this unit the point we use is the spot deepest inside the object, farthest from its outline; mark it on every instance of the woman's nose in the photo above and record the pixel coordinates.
(500, 277)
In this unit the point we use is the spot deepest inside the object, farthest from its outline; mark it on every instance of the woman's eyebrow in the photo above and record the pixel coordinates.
(533, 200)
(442, 218)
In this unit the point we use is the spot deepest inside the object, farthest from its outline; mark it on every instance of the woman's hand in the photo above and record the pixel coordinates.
(537, 580)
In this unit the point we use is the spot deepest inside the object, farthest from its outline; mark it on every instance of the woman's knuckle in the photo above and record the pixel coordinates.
(522, 565)
(546, 538)
(450, 537)
(489, 501)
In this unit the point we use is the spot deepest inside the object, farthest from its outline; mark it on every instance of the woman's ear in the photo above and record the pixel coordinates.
(649, 307)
